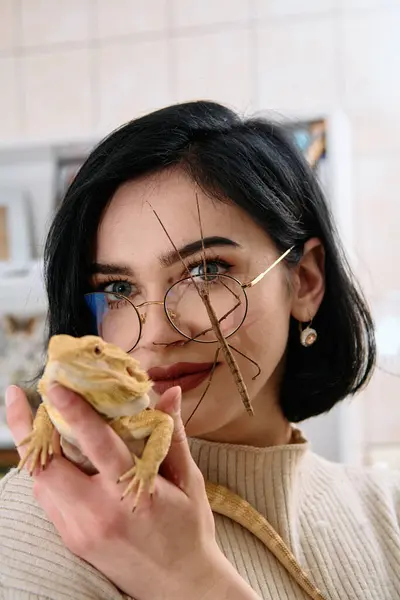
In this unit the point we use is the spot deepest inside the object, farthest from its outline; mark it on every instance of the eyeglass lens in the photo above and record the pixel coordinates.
(117, 321)
(114, 319)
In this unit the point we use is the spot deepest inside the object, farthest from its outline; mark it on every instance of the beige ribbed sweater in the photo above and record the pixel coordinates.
(342, 524)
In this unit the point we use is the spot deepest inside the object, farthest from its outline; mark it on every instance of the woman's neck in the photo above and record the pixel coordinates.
(268, 427)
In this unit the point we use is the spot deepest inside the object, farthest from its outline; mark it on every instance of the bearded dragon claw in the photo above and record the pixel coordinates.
(40, 448)
(143, 476)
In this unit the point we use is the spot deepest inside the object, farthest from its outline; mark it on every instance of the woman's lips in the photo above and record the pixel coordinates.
(187, 375)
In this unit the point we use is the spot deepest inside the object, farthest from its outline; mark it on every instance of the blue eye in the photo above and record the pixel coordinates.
(121, 287)
(213, 268)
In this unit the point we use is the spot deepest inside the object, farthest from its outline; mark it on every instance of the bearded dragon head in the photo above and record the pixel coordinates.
(104, 375)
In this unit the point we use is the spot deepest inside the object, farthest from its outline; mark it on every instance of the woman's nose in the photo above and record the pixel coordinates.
(156, 327)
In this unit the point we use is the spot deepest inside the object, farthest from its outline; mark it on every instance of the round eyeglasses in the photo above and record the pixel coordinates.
(117, 320)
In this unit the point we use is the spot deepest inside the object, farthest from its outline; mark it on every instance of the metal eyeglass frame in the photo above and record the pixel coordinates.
(244, 286)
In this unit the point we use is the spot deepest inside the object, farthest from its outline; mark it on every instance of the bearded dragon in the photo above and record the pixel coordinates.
(113, 383)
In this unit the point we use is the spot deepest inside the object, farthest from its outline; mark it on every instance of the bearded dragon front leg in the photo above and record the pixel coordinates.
(40, 447)
(158, 427)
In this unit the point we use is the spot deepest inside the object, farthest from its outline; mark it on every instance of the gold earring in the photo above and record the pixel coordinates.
(308, 336)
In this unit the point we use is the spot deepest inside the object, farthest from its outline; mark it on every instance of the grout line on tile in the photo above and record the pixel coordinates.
(19, 70)
(94, 66)
(94, 89)
(169, 33)
(340, 66)
(172, 53)
(93, 20)
(253, 67)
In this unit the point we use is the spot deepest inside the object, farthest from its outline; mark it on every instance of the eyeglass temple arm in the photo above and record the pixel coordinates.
(259, 277)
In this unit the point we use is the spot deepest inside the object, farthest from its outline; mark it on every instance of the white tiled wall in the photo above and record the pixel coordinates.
(80, 67)
(377, 179)
(7, 25)
(297, 64)
(122, 73)
(10, 97)
(370, 44)
(57, 93)
(103, 62)
(209, 12)
(44, 22)
(129, 17)
(277, 8)
(214, 65)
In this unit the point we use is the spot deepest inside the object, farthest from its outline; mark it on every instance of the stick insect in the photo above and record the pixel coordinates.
(226, 348)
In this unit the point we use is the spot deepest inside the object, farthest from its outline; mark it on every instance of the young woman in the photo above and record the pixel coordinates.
(303, 340)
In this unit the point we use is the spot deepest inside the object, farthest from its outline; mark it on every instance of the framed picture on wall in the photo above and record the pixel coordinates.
(15, 228)
(4, 243)
(310, 136)
(66, 169)
(22, 355)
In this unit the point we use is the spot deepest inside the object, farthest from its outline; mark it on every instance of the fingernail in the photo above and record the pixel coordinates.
(11, 394)
(178, 391)
(60, 396)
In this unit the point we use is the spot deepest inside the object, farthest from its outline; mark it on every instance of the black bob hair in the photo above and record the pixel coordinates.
(252, 163)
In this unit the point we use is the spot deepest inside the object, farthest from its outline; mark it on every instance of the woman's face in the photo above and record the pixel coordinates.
(131, 238)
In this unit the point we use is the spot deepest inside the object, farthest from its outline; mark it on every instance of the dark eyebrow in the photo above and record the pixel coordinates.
(209, 242)
(110, 269)
(166, 260)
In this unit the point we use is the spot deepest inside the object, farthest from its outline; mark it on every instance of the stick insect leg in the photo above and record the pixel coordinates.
(208, 385)
(251, 360)
(219, 321)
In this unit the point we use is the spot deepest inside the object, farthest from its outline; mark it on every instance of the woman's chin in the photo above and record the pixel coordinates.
(195, 429)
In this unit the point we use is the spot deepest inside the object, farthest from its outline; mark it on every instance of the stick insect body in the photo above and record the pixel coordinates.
(204, 294)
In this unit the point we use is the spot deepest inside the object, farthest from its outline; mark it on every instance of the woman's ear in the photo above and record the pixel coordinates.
(308, 282)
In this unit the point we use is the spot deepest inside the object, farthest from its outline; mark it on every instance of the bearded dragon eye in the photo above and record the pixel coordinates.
(97, 350)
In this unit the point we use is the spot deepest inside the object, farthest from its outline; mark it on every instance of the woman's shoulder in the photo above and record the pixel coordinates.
(361, 475)
(33, 558)
(374, 487)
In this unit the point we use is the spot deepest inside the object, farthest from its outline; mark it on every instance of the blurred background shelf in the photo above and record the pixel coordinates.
(22, 288)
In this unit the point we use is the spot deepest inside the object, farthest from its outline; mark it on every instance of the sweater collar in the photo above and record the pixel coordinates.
(271, 479)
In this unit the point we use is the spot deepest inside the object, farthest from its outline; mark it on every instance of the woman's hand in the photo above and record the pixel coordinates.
(167, 547)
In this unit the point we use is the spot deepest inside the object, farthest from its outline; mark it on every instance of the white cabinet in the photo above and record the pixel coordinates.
(22, 288)
(33, 172)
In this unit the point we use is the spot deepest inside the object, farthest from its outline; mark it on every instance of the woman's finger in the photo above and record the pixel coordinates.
(102, 446)
(53, 488)
(179, 464)
(62, 483)
(19, 416)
